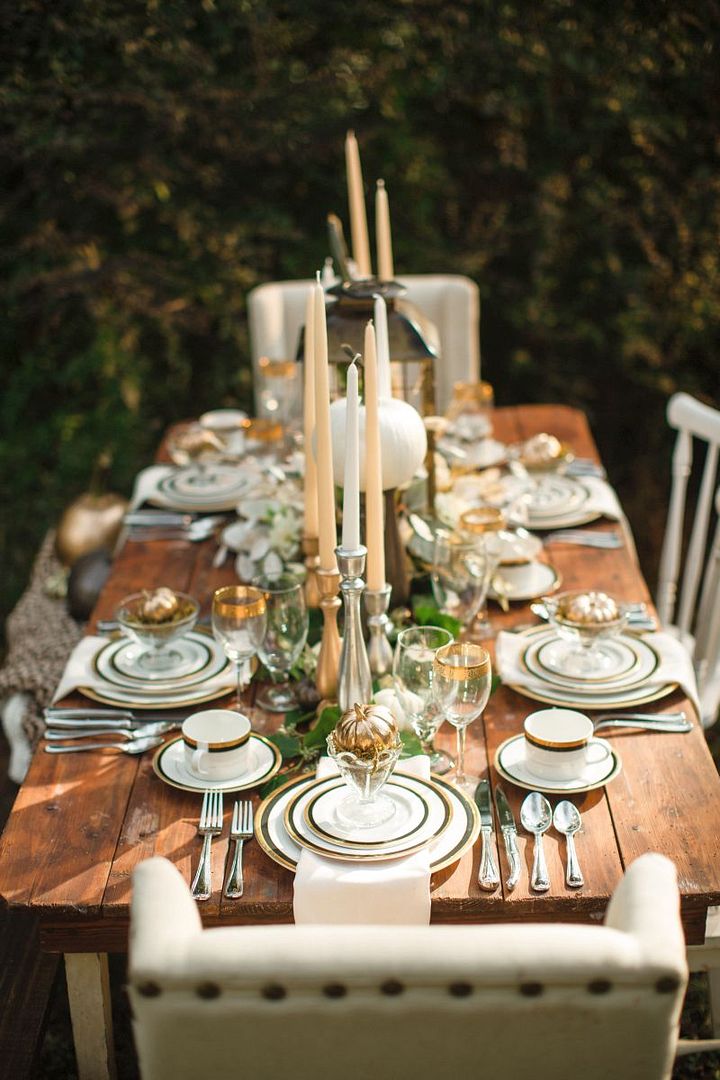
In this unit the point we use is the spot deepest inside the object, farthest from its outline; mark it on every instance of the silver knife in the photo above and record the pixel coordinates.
(509, 831)
(81, 715)
(488, 876)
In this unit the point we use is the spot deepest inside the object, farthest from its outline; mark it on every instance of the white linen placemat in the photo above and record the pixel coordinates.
(393, 892)
(675, 665)
(79, 671)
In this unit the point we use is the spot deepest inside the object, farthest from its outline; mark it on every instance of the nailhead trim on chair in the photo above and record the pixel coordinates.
(273, 992)
(599, 986)
(334, 990)
(208, 991)
(392, 988)
(667, 984)
(460, 989)
(531, 989)
(149, 989)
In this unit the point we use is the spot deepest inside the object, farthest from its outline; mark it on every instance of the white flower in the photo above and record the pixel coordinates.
(389, 699)
(284, 535)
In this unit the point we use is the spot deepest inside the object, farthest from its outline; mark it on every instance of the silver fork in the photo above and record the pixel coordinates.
(210, 824)
(241, 829)
(585, 538)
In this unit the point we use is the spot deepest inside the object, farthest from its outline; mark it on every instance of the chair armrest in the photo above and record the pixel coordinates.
(164, 917)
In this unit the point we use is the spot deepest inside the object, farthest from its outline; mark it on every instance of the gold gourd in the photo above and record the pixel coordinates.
(366, 730)
(90, 522)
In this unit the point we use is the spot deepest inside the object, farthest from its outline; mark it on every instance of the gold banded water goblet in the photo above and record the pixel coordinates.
(238, 623)
(462, 680)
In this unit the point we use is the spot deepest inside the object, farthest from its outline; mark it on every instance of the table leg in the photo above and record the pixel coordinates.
(88, 985)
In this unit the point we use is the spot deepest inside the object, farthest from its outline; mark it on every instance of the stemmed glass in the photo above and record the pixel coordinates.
(484, 526)
(460, 575)
(238, 622)
(414, 674)
(285, 636)
(462, 679)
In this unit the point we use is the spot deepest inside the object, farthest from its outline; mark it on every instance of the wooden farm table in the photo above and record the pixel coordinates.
(81, 823)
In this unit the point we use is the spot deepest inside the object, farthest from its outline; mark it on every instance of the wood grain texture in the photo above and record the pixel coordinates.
(82, 823)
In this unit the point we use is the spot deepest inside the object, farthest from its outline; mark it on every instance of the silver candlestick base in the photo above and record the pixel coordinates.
(354, 678)
(380, 654)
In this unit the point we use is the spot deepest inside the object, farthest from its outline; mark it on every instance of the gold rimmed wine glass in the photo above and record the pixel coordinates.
(238, 623)
(463, 675)
(485, 526)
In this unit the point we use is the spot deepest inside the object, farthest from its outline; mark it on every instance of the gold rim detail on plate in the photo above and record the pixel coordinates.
(273, 768)
(598, 682)
(523, 597)
(192, 678)
(627, 703)
(468, 838)
(251, 602)
(377, 855)
(319, 831)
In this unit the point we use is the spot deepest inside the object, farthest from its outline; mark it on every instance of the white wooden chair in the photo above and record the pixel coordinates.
(276, 313)
(692, 611)
(409, 1003)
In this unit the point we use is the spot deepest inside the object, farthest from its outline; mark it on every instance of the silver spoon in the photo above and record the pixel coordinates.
(137, 746)
(567, 821)
(536, 818)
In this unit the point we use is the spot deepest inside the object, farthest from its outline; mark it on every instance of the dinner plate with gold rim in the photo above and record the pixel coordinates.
(201, 658)
(553, 495)
(552, 695)
(647, 662)
(273, 838)
(526, 581)
(410, 796)
(510, 764)
(114, 695)
(169, 765)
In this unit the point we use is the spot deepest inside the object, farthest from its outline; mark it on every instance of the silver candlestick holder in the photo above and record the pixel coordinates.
(354, 678)
(380, 654)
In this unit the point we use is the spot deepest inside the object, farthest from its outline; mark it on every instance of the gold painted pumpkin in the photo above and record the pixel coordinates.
(366, 730)
(90, 522)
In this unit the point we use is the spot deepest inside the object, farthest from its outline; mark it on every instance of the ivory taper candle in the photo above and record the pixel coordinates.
(327, 533)
(383, 348)
(356, 201)
(383, 235)
(351, 485)
(374, 531)
(310, 484)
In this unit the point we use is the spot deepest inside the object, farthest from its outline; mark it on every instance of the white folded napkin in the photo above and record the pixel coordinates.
(396, 891)
(602, 499)
(675, 665)
(79, 671)
(146, 485)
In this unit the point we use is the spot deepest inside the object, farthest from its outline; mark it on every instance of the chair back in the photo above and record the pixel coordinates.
(276, 314)
(689, 588)
(519, 1001)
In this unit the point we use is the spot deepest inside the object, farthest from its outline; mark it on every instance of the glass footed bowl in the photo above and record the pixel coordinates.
(155, 637)
(364, 807)
(585, 653)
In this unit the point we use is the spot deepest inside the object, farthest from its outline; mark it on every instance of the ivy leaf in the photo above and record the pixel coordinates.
(428, 614)
(411, 744)
(495, 682)
(288, 745)
(326, 722)
(274, 782)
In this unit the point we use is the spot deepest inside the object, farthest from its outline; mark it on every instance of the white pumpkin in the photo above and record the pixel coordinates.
(403, 441)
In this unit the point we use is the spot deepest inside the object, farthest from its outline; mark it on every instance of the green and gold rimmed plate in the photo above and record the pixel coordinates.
(199, 658)
(510, 764)
(422, 813)
(134, 700)
(265, 760)
(273, 837)
(631, 661)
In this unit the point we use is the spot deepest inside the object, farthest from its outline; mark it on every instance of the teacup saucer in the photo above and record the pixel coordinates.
(169, 765)
(525, 582)
(510, 763)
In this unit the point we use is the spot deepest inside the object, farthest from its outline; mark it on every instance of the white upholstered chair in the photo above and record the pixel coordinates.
(688, 598)
(408, 1003)
(276, 313)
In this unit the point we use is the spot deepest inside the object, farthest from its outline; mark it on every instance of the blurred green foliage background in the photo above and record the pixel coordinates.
(159, 159)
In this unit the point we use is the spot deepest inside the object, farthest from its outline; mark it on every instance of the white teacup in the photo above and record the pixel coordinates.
(558, 744)
(217, 744)
(227, 424)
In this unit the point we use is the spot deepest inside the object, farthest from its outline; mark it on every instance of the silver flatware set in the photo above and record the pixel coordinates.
(210, 825)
